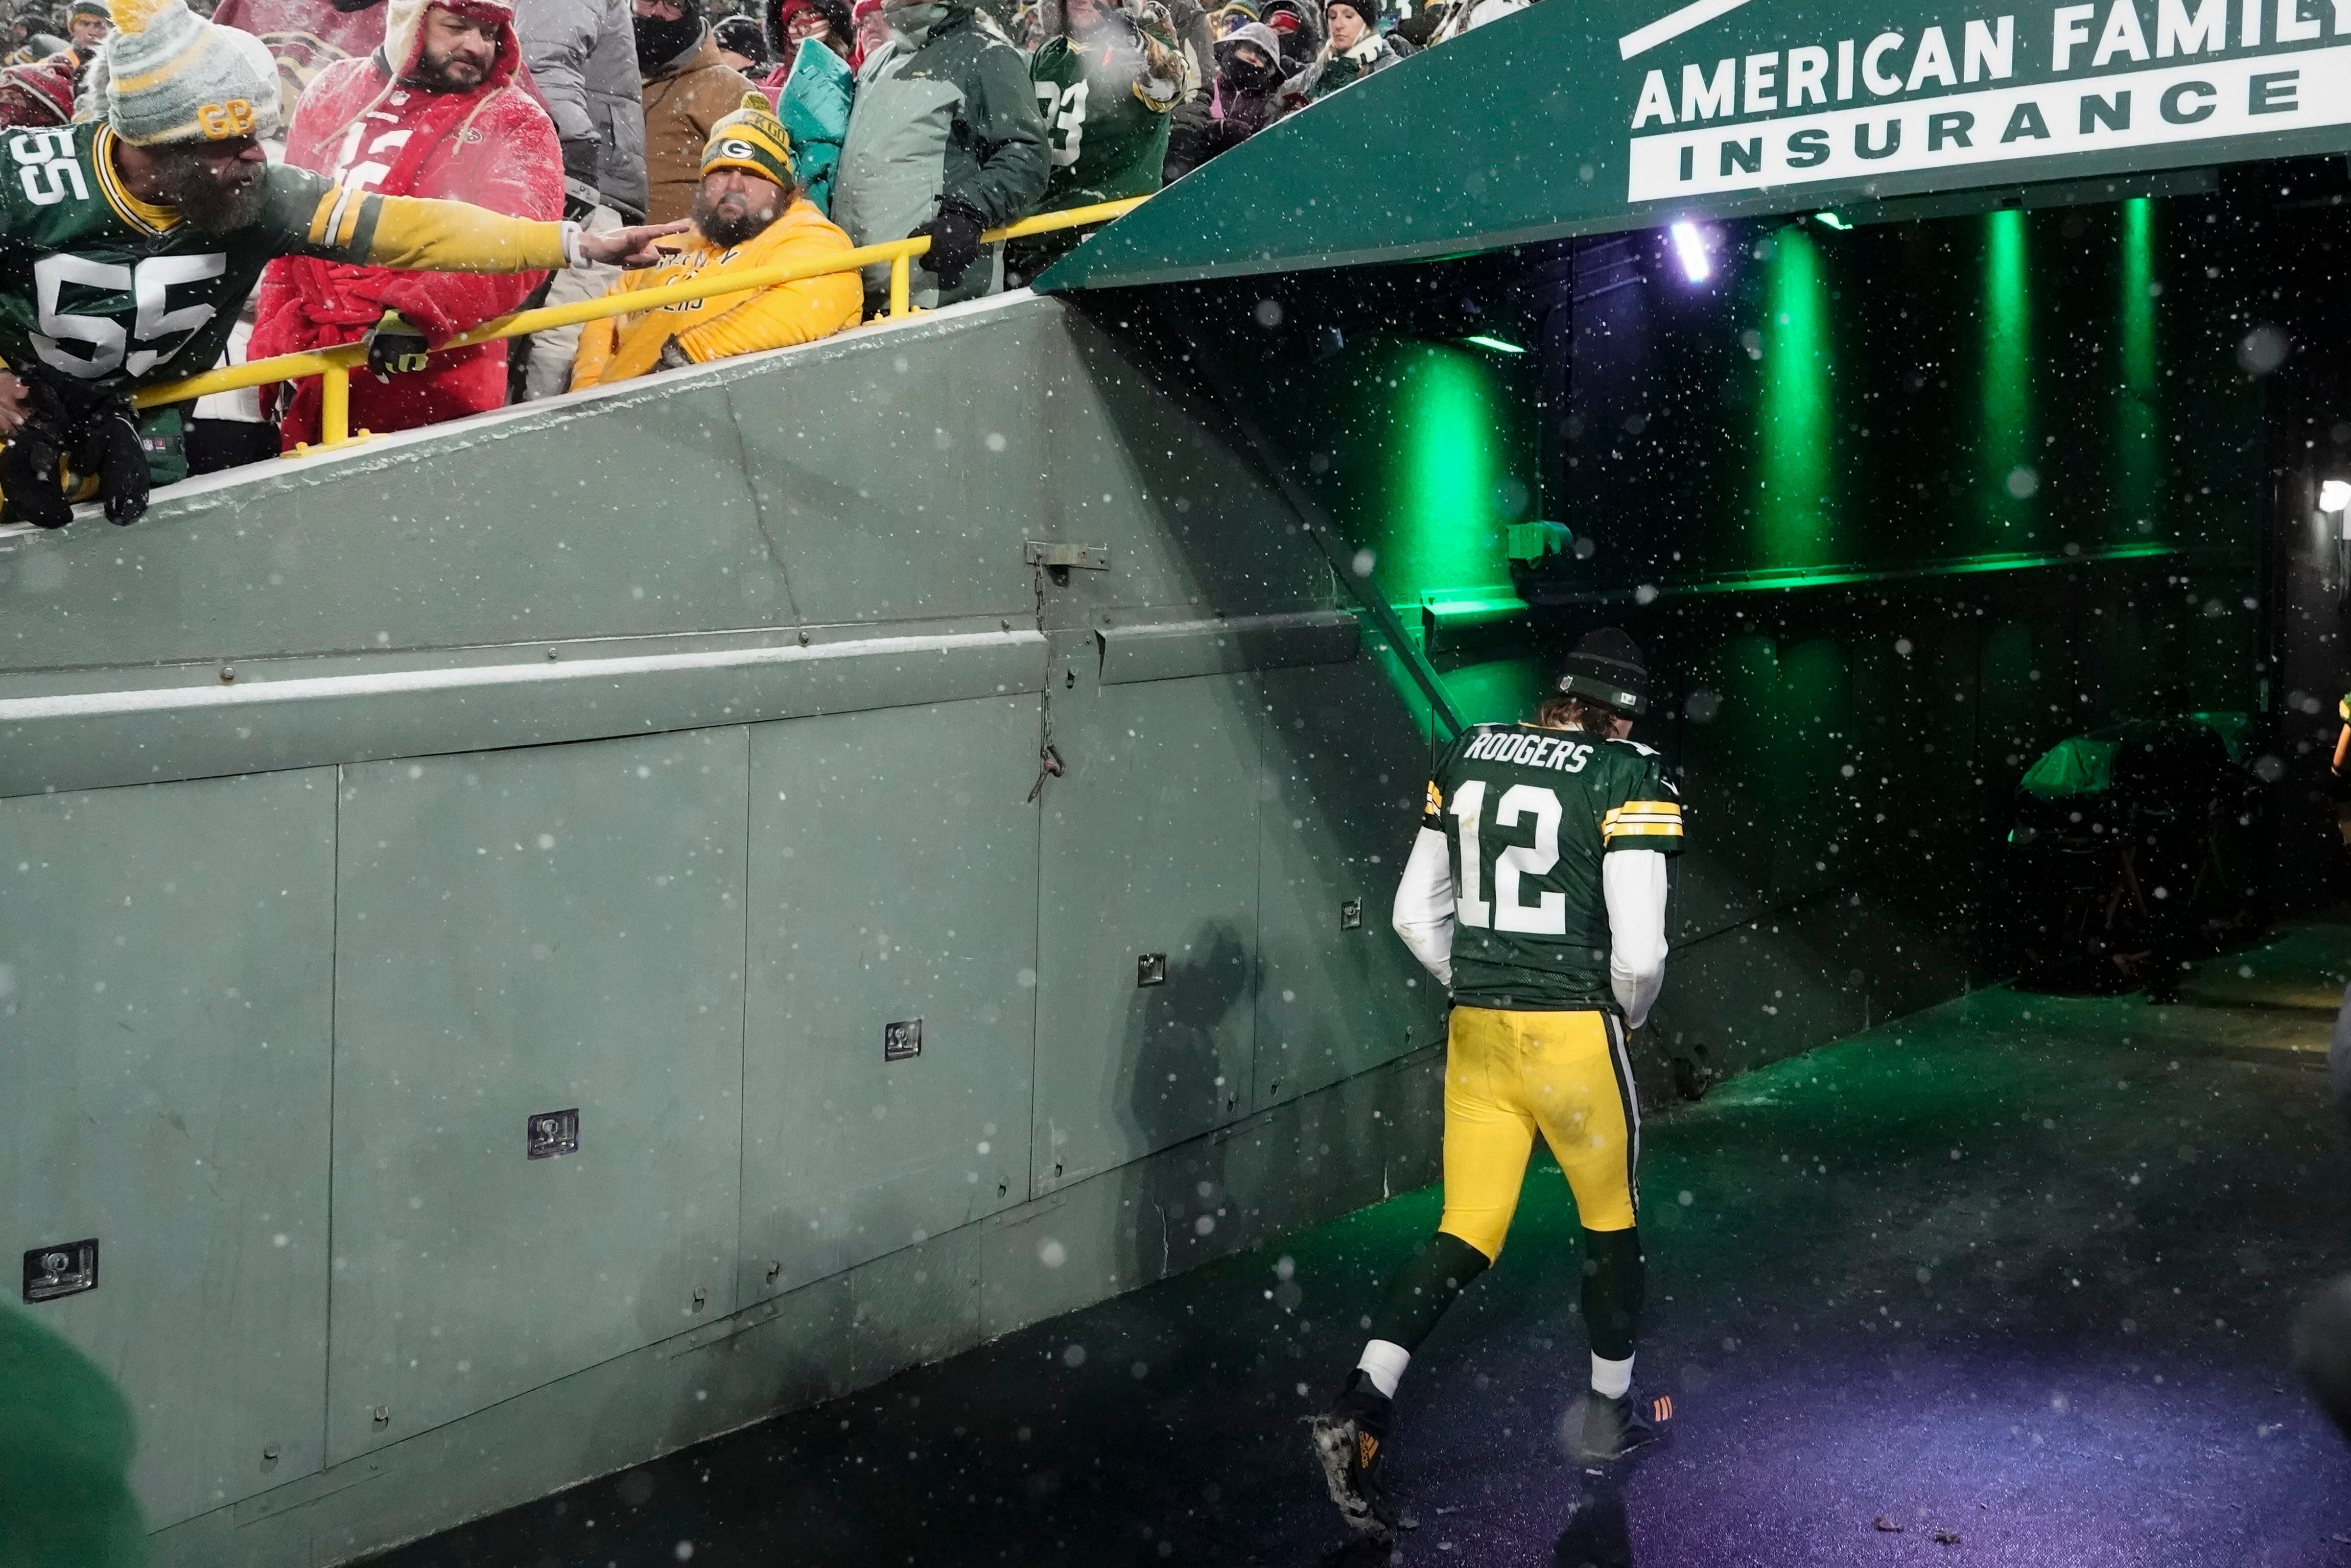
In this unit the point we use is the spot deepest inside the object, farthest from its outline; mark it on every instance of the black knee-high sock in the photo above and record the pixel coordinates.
(1418, 1292)
(1613, 1291)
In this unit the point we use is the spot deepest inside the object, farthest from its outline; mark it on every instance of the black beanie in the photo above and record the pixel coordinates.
(745, 37)
(1606, 668)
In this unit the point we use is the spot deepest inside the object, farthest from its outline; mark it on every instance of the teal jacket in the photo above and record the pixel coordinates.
(814, 107)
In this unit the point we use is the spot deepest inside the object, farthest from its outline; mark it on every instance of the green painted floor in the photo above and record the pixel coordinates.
(2019, 1269)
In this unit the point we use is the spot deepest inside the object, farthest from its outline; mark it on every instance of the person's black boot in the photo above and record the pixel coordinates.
(1599, 1430)
(1351, 1442)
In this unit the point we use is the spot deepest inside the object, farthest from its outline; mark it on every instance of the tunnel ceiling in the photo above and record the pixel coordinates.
(1568, 120)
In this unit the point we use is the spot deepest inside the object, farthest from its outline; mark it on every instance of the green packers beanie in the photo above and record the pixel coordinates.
(173, 77)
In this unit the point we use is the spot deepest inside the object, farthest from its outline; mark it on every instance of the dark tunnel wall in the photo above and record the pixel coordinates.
(1895, 508)
(1906, 393)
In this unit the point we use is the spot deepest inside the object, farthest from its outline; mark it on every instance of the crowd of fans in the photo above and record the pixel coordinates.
(779, 134)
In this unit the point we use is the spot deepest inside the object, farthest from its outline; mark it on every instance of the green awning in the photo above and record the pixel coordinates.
(1574, 117)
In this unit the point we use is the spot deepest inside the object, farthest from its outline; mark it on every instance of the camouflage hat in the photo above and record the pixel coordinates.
(751, 139)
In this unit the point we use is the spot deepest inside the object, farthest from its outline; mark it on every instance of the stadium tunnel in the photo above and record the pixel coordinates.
(1903, 480)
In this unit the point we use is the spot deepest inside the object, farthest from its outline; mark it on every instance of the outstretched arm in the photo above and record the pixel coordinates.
(1425, 904)
(341, 224)
(1634, 882)
(456, 236)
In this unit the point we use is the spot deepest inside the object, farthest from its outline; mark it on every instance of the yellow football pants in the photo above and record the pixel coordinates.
(1511, 1074)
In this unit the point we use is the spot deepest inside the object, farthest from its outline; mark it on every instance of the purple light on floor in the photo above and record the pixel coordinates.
(1690, 246)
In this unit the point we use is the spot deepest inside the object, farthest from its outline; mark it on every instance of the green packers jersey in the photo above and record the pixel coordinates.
(1528, 814)
(1108, 142)
(95, 291)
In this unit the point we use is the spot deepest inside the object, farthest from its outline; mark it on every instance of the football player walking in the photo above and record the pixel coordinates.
(1536, 892)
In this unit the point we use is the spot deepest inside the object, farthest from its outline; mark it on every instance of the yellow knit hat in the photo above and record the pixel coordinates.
(751, 138)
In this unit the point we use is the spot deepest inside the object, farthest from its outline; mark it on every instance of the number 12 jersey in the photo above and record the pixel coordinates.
(1527, 816)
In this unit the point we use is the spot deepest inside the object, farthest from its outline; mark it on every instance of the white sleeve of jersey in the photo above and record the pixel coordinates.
(1424, 905)
(1634, 883)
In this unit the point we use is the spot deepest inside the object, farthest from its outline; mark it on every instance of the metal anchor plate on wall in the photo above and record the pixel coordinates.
(61, 1268)
(1091, 557)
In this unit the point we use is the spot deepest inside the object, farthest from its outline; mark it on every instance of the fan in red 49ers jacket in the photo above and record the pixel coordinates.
(436, 111)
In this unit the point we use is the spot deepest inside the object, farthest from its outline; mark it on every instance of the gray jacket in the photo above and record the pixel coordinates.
(955, 117)
(584, 55)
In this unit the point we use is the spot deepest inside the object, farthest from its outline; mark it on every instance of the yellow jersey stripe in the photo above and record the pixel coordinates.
(139, 214)
(1657, 830)
(1663, 808)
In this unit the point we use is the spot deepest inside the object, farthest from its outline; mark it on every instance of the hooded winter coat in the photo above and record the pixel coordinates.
(493, 146)
(684, 100)
(583, 55)
(1299, 24)
(1232, 113)
(947, 115)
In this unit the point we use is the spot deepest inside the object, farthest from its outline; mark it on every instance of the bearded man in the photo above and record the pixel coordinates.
(128, 244)
(436, 111)
(748, 213)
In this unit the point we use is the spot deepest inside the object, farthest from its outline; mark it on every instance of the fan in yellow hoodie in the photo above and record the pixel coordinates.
(747, 214)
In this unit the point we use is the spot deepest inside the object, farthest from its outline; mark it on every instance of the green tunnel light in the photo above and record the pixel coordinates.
(1497, 344)
(1830, 221)
(2005, 443)
(1798, 497)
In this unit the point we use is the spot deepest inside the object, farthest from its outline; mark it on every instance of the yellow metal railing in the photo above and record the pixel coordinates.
(334, 365)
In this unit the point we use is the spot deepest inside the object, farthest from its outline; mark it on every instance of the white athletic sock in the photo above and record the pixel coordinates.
(1611, 1378)
(1383, 1365)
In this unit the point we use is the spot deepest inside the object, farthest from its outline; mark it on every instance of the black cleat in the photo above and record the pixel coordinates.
(1598, 1430)
(1351, 1442)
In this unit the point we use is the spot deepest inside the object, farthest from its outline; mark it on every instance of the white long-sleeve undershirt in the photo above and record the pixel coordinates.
(1633, 882)
(1424, 909)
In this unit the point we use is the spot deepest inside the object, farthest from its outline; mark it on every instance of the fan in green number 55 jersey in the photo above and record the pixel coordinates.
(128, 245)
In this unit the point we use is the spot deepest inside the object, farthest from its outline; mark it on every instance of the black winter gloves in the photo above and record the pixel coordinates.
(395, 348)
(112, 448)
(955, 241)
(100, 438)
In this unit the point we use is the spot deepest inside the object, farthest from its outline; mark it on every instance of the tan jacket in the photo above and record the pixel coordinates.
(683, 100)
